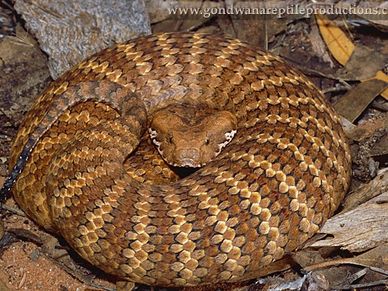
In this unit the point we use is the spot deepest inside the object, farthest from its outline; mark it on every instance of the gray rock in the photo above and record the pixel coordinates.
(24, 74)
(71, 30)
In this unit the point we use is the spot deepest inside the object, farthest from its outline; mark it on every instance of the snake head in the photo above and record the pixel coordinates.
(191, 135)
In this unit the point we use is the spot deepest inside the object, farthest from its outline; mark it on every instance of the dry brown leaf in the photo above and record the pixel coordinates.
(250, 30)
(307, 257)
(356, 100)
(340, 46)
(184, 24)
(360, 229)
(167, 16)
(318, 46)
(257, 31)
(158, 10)
(366, 129)
(363, 64)
(380, 149)
(381, 22)
(367, 191)
(384, 77)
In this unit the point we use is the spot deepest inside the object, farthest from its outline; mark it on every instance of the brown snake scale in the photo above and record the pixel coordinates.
(284, 173)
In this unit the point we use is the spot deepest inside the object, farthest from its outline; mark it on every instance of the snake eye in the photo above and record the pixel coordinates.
(207, 141)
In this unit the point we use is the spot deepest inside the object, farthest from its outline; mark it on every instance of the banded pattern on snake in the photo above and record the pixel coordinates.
(76, 171)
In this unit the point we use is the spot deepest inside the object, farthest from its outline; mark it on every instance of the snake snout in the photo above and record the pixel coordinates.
(188, 157)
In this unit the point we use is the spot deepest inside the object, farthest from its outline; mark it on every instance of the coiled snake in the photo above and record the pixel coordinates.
(76, 171)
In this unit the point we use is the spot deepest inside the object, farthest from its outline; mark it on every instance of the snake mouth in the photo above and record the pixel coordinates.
(188, 163)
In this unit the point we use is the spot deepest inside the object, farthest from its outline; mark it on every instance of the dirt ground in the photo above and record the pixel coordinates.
(24, 264)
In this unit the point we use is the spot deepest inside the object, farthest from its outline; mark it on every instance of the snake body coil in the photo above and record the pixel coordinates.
(284, 173)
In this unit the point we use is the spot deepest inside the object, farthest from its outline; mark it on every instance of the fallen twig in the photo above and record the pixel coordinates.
(343, 261)
(362, 285)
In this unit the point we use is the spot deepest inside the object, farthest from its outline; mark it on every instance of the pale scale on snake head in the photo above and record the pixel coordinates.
(276, 160)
